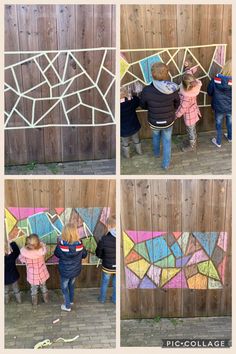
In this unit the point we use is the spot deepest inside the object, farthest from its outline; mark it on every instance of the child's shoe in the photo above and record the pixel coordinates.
(64, 308)
(226, 136)
(35, 300)
(45, 297)
(18, 297)
(138, 148)
(213, 140)
(190, 147)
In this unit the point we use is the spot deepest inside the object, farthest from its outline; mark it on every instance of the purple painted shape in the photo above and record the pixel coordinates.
(180, 262)
(179, 281)
(53, 259)
(146, 283)
(105, 215)
(197, 257)
(23, 213)
(220, 55)
(132, 281)
(222, 241)
(139, 236)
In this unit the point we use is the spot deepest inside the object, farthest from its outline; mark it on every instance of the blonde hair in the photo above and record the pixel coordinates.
(227, 68)
(188, 81)
(111, 222)
(123, 92)
(33, 242)
(160, 71)
(70, 233)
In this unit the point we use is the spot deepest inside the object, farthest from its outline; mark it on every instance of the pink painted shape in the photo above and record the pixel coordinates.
(23, 213)
(154, 274)
(220, 55)
(177, 234)
(59, 210)
(139, 236)
(197, 257)
(105, 215)
(132, 281)
(221, 269)
(222, 241)
(179, 281)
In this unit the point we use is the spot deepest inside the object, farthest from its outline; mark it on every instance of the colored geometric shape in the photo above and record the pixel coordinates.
(146, 283)
(207, 240)
(90, 216)
(181, 262)
(139, 268)
(59, 210)
(15, 232)
(10, 221)
(132, 257)
(58, 224)
(127, 244)
(141, 249)
(146, 65)
(222, 241)
(22, 213)
(176, 250)
(177, 234)
(20, 241)
(50, 238)
(208, 268)
(221, 269)
(139, 236)
(197, 257)
(168, 262)
(183, 241)
(90, 244)
(193, 245)
(100, 230)
(66, 215)
(217, 255)
(40, 224)
(105, 215)
(157, 249)
(170, 239)
(214, 284)
(132, 281)
(198, 281)
(178, 281)
(167, 274)
(154, 274)
(219, 56)
(191, 270)
(124, 67)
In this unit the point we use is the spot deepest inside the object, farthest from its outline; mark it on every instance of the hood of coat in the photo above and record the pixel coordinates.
(223, 83)
(70, 249)
(193, 92)
(166, 87)
(32, 254)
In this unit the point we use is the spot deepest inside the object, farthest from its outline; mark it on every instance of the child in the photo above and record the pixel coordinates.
(106, 250)
(70, 252)
(161, 99)
(11, 273)
(220, 88)
(33, 256)
(130, 125)
(189, 90)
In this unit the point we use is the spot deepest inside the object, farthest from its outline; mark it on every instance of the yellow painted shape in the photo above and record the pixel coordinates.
(198, 281)
(139, 268)
(124, 67)
(10, 221)
(167, 274)
(128, 244)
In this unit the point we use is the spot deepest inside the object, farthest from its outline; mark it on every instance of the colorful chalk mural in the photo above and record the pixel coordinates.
(48, 224)
(194, 260)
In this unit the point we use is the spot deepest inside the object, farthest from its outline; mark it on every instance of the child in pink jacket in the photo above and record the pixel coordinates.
(33, 255)
(189, 90)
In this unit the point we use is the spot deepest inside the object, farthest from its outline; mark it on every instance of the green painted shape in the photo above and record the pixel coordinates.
(90, 244)
(141, 249)
(22, 223)
(214, 284)
(167, 262)
(183, 241)
(207, 268)
(51, 238)
(20, 241)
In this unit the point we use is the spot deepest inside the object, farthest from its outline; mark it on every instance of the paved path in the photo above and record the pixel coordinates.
(149, 333)
(91, 320)
(95, 167)
(208, 159)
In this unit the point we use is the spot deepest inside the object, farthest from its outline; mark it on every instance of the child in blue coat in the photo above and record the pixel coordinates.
(70, 251)
(220, 88)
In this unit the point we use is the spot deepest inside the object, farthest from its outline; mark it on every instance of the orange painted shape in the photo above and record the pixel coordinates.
(177, 234)
(198, 281)
(132, 257)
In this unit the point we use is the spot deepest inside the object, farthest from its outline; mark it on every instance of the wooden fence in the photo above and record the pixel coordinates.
(165, 26)
(192, 207)
(59, 27)
(62, 194)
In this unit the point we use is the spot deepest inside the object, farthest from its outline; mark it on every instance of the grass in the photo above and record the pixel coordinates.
(31, 166)
(53, 168)
(157, 319)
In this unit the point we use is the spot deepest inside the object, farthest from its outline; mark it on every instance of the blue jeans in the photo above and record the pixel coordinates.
(67, 288)
(104, 285)
(165, 134)
(219, 120)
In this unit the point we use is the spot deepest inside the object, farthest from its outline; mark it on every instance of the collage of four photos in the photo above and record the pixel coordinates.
(118, 163)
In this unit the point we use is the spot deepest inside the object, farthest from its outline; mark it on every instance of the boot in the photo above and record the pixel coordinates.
(138, 148)
(190, 147)
(18, 297)
(126, 151)
(7, 298)
(34, 300)
(45, 297)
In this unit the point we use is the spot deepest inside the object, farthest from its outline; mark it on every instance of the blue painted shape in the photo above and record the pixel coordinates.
(146, 283)
(207, 240)
(40, 224)
(157, 249)
(90, 216)
(58, 224)
(176, 250)
(146, 65)
(180, 262)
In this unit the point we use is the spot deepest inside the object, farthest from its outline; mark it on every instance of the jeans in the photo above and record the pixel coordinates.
(165, 134)
(35, 288)
(67, 288)
(219, 119)
(15, 288)
(125, 140)
(192, 134)
(104, 285)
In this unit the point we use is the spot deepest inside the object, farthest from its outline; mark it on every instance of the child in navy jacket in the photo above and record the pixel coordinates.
(70, 251)
(11, 273)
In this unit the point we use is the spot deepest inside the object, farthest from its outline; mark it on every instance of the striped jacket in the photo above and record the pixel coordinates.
(220, 89)
(70, 258)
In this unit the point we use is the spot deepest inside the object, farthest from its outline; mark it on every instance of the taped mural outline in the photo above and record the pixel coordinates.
(218, 58)
(34, 122)
(192, 260)
(48, 224)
